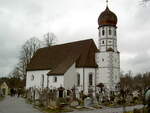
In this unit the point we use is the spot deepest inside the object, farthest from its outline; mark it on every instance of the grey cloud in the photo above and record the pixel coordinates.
(141, 58)
(141, 63)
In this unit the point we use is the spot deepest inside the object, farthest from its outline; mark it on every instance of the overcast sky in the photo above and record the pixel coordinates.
(72, 20)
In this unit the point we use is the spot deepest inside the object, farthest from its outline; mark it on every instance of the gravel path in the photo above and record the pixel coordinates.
(16, 105)
(110, 110)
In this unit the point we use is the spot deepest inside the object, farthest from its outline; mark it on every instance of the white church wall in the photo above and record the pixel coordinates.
(55, 84)
(70, 77)
(84, 78)
(116, 75)
(102, 59)
(116, 61)
(116, 64)
(103, 76)
(109, 68)
(34, 78)
(89, 71)
(80, 72)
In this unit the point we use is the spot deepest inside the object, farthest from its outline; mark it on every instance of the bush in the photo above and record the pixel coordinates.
(136, 111)
(119, 102)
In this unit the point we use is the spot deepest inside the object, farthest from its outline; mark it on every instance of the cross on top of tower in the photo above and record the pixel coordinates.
(107, 2)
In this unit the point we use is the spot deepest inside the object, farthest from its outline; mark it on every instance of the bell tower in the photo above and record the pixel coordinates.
(109, 57)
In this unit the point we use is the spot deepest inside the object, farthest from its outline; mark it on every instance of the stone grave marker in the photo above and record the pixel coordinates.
(74, 103)
(88, 102)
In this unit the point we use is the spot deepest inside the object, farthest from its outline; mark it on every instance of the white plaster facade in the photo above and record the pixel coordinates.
(108, 59)
(84, 79)
(68, 80)
(34, 79)
(52, 84)
(39, 79)
(70, 77)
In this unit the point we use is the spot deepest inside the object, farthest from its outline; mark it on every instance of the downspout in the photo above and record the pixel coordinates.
(95, 81)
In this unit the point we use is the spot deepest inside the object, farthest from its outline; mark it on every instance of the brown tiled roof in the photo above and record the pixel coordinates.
(59, 58)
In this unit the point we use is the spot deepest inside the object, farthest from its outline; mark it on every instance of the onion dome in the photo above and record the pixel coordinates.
(107, 17)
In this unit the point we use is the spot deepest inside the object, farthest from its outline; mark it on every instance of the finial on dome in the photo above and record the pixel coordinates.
(106, 3)
(107, 17)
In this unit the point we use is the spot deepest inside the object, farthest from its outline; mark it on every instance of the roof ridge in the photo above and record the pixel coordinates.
(67, 43)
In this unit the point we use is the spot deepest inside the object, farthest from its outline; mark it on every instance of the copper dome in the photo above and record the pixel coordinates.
(107, 17)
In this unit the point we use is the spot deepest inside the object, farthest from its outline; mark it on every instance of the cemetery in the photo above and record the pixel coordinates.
(66, 100)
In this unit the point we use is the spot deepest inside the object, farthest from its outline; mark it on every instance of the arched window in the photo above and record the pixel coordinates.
(55, 79)
(103, 32)
(42, 80)
(90, 79)
(103, 42)
(78, 79)
(32, 77)
(102, 59)
(109, 31)
(47, 81)
(115, 33)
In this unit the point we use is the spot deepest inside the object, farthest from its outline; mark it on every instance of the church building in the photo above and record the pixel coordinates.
(79, 64)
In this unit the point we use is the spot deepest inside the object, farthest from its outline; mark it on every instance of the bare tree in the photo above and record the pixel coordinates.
(28, 49)
(27, 52)
(15, 73)
(49, 39)
(144, 2)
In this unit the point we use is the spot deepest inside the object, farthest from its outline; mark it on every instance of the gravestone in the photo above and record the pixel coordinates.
(74, 103)
(95, 101)
(61, 92)
(88, 102)
(147, 97)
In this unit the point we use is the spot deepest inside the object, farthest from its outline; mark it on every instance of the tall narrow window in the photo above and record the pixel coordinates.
(103, 32)
(109, 31)
(42, 81)
(47, 81)
(55, 79)
(90, 79)
(103, 42)
(115, 33)
(78, 79)
(102, 59)
(32, 77)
